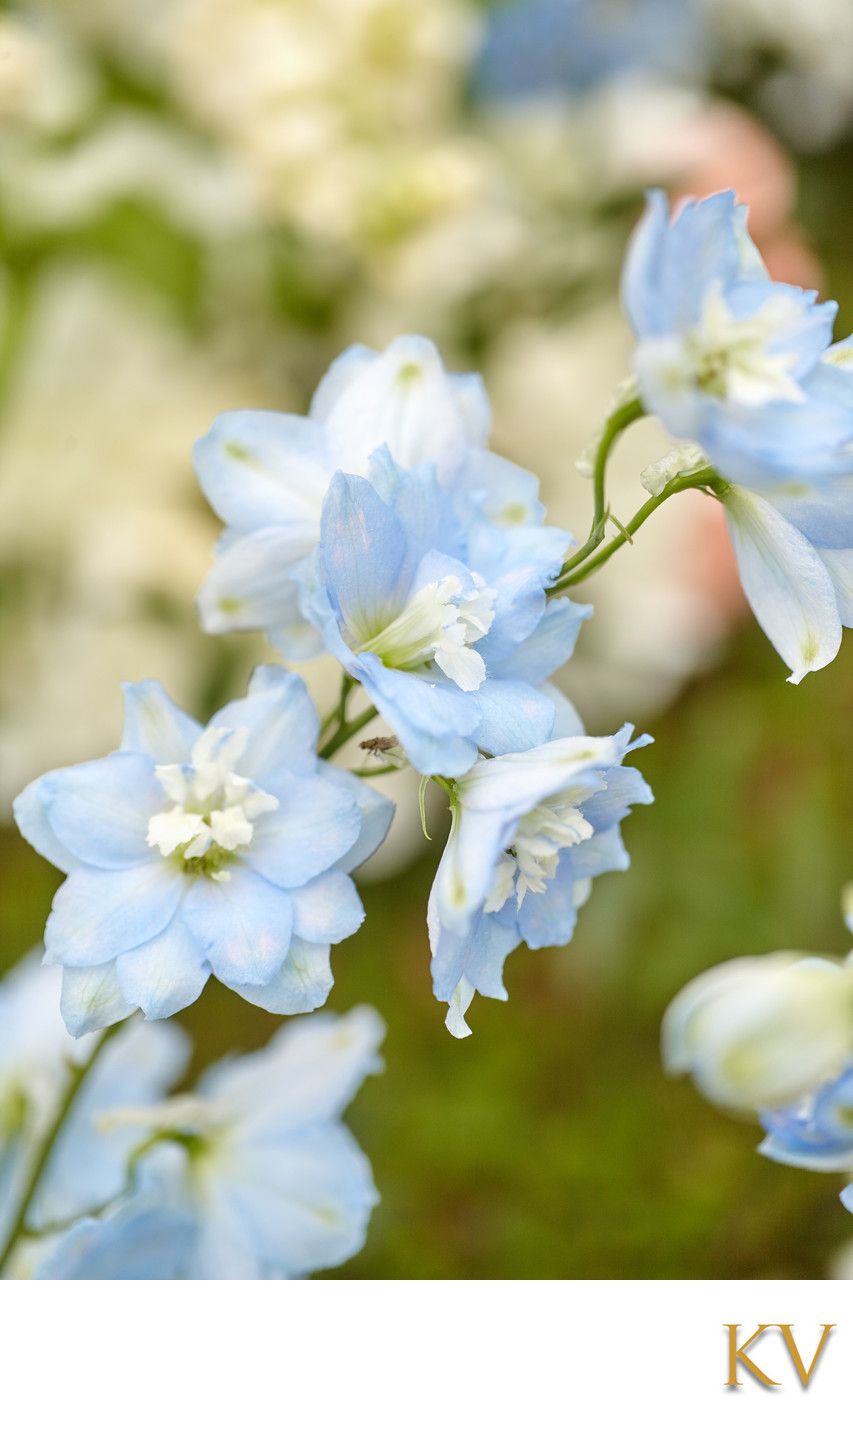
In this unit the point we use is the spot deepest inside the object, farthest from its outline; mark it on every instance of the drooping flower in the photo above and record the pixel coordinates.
(193, 851)
(529, 832)
(266, 475)
(253, 1177)
(441, 616)
(729, 359)
(762, 1032)
(815, 1132)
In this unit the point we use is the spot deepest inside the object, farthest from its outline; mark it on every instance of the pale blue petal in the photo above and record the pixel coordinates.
(92, 998)
(548, 647)
(839, 564)
(153, 724)
(137, 1242)
(605, 852)
(315, 824)
(825, 518)
(243, 925)
(307, 1073)
(100, 810)
(788, 588)
(97, 914)
(301, 984)
(431, 716)
(250, 587)
(376, 814)
(510, 495)
(466, 871)
(483, 946)
(257, 469)
(282, 724)
(328, 909)
(515, 716)
(832, 1156)
(33, 824)
(568, 721)
(547, 919)
(625, 785)
(341, 373)
(166, 974)
(364, 548)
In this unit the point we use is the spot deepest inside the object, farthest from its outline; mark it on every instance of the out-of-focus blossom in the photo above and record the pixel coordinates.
(762, 1032)
(254, 1177)
(191, 851)
(86, 1169)
(535, 47)
(529, 832)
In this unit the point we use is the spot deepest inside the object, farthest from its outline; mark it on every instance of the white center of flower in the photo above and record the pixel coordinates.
(440, 623)
(214, 808)
(532, 860)
(743, 359)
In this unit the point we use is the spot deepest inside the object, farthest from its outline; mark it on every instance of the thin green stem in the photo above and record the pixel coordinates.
(77, 1076)
(615, 425)
(375, 771)
(346, 731)
(706, 478)
(339, 714)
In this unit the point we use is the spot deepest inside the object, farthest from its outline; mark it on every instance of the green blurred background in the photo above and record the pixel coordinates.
(199, 211)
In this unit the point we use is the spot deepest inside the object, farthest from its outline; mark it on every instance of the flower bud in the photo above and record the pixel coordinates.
(762, 1031)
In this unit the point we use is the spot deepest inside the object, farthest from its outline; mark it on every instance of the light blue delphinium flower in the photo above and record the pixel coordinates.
(541, 47)
(86, 1169)
(729, 359)
(193, 851)
(529, 832)
(254, 1177)
(440, 615)
(266, 475)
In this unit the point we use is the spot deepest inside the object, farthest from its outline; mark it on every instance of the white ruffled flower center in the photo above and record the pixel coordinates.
(214, 807)
(744, 359)
(439, 624)
(542, 834)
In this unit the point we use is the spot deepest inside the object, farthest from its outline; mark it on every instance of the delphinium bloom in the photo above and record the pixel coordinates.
(267, 474)
(86, 1168)
(529, 832)
(762, 1032)
(440, 616)
(744, 369)
(193, 851)
(251, 1177)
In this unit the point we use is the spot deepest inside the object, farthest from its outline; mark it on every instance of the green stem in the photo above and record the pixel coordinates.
(346, 731)
(339, 714)
(374, 771)
(617, 422)
(76, 1078)
(705, 478)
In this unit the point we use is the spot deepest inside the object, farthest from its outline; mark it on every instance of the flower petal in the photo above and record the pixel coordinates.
(314, 825)
(328, 909)
(243, 926)
(282, 724)
(302, 982)
(33, 824)
(363, 547)
(166, 974)
(249, 585)
(92, 998)
(376, 814)
(788, 588)
(98, 914)
(257, 469)
(100, 810)
(153, 724)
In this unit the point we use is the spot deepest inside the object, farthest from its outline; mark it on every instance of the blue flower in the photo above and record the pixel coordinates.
(194, 851)
(440, 614)
(535, 47)
(253, 1178)
(87, 1167)
(816, 1132)
(266, 475)
(729, 359)
(529, 832)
